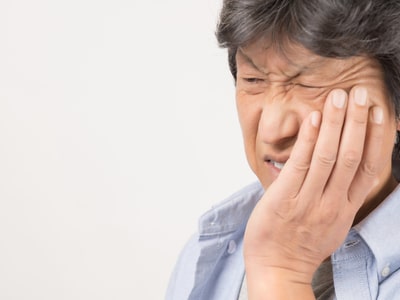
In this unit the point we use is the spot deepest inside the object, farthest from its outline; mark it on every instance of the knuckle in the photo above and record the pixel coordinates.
(327, 160)
(359, 116)
(360, 120)
(351, 159)
(336, 122)
(330, 216)
(369, 168)
(301, 166)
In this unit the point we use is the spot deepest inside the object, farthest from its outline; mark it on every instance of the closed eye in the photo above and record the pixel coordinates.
(253, 80)
(308, 86)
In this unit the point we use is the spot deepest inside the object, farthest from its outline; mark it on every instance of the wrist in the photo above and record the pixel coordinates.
(278, 284)
(289, 269)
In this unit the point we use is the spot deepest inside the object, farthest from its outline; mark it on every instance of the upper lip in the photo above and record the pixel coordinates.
(279, 159)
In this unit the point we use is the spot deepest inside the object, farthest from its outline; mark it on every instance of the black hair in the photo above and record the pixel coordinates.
(328, 28)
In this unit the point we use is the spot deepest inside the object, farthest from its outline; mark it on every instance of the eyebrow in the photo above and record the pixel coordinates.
(302, 69)
(250, 61)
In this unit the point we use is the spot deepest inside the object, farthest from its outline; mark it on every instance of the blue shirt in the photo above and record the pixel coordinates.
(211, 266)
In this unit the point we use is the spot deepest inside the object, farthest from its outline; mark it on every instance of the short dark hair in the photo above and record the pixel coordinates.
(329, 28)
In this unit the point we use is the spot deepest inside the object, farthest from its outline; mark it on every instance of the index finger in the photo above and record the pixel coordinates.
(298, 164)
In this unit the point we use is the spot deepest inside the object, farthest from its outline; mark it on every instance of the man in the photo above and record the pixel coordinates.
(317, 91)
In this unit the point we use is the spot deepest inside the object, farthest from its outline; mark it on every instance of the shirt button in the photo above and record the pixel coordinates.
(385, 271)
(231, 247)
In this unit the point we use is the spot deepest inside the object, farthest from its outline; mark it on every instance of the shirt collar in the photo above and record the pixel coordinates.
(229, 215)
(381, 231)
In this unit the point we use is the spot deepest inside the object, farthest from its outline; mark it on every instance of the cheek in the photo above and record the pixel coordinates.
(249, 112)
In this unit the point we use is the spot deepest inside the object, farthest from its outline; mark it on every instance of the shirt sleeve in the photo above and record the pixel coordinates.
(183, 276)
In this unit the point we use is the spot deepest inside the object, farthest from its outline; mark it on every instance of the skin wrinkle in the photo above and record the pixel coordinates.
(272, 108)
(309, 72)
(345, 76)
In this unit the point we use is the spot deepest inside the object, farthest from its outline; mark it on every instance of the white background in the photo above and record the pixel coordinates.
(117, 131)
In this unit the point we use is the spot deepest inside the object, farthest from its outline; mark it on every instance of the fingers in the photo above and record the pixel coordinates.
(347, 159)
(326, 149)
(342, 157)
(372, 160)
(296, 168)
(352, 142)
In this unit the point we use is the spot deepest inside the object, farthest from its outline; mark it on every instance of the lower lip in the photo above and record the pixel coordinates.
(272, 167)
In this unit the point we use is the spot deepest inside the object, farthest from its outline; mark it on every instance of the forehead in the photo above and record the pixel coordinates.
(285, 55)
(290, 60)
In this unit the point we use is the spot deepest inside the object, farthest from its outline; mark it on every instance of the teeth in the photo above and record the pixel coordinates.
(278, 165)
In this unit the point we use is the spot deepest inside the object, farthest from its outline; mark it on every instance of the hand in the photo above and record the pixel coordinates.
(308, 210)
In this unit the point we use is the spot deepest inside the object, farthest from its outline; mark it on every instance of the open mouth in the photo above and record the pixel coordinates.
(276, 164)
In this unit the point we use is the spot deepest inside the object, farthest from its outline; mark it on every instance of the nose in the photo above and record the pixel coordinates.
(279, 122)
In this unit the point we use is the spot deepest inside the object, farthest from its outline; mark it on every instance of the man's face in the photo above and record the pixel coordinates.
(276, 91)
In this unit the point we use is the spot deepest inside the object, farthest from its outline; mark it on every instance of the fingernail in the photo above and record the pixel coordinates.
(377, 115)
(315, 119)
(338, 98)
(360, 96)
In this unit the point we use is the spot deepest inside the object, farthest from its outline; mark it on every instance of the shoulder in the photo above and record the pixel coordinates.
(227, 215)
(218, 227)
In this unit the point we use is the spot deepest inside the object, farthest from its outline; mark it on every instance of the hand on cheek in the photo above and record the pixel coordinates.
(308, 210)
